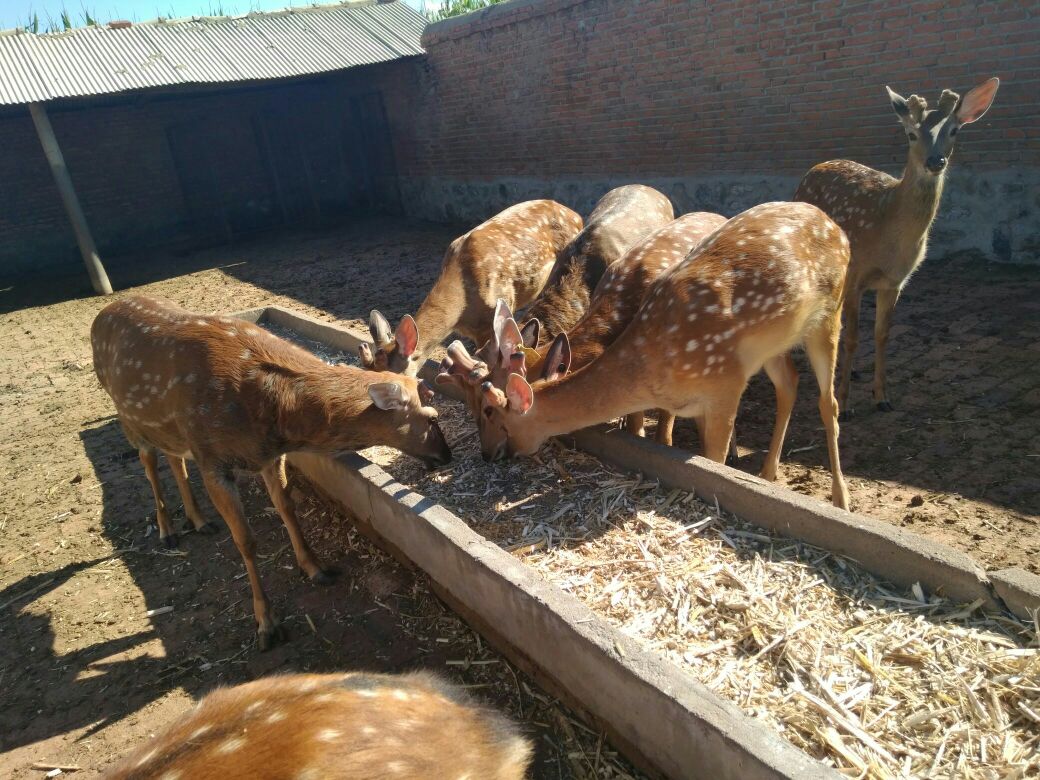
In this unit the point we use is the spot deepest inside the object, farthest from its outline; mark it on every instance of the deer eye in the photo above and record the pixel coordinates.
(912, 136)
(953, 131)
(488, 411)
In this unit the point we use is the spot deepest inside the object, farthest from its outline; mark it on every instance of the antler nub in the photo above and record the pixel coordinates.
(917, 105)
(948, 101)
(462, 364)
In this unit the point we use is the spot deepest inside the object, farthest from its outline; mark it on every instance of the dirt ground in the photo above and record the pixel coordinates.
(87, 674)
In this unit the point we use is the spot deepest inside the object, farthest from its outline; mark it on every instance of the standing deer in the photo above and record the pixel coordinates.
(335, 727)
(768, 279)
(509, 257)
(620, 220)
(614, 303)
(886, 219)
(232, 396)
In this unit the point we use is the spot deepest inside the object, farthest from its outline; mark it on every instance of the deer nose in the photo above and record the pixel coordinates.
(935, 163)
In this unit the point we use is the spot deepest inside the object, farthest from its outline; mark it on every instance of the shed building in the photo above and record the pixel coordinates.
(197, 131)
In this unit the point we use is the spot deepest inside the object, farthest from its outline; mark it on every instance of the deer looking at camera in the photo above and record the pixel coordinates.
(886, 219)
(509, 257)
(232, 396)
(768, 279)
(335, 727)
(614, 303)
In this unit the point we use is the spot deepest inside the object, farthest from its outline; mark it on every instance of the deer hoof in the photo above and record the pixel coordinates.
(885, 406)
(325, 576)
(169, 542)
(207, 528)
(266, 639)
(845, 416)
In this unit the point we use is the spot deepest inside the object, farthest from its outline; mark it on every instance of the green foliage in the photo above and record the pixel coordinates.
(65, 21)
(459, 7)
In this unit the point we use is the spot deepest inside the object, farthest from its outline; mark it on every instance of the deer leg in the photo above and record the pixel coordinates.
(850, 341)
(665, 424)
(886, 301)
(784, 376)
(822, 348)
(150, 461)
(274, 479)
(717, 426)
(180, 473)
(224, 494)
(635, 423)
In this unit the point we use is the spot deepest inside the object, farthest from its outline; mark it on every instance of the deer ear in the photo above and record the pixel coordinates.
(509, 340)
(558, 359)
(502, 314)
(379, 328)
(529, 333)
(519, 393)
(407, 336)
(977, 102)
(389, 396)
(898, 104)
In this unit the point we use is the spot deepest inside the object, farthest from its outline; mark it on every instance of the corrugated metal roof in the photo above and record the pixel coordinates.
(294, 42)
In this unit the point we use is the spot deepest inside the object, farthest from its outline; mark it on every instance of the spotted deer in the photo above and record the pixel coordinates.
(509, 257)
(613, 305)
(768, 279)
(620, 220)
(232, 396)
(335, 727)
(886, 219)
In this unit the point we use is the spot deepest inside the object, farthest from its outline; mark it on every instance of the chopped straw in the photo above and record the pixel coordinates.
(866, 677)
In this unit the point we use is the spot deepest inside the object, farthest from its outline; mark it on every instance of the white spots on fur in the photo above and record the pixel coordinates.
(246, 354)
(255, 705)
(201, 322)
(366, 693)
(396, 767)
(189, 379)
(691, 345)
(172, 774)
(145, 758)
(230, 745)
(329, 735)
(275, 716)
(368, 731)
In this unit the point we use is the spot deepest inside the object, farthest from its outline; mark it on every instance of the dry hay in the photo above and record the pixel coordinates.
(869, 679)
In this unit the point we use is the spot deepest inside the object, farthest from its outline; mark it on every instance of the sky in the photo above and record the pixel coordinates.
(16, 13)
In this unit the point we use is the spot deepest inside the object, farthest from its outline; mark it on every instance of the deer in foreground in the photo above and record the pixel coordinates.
(613, 305)
(621, 219)
(886, 219)
(232, 396)
(770, 278)
(335, 727)
(508, 257)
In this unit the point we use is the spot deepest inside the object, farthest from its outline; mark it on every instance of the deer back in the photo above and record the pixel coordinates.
(232, 393)
(622, 218)
(336, 726)
(508, 257)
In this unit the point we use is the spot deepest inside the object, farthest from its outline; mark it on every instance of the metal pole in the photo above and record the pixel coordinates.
(98, 277)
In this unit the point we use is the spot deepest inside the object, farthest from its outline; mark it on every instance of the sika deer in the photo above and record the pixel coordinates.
(335, 727)
(887, 220)
(509, 257)
(614, 303)
(621, 219)
(232, 396)
(768, 279)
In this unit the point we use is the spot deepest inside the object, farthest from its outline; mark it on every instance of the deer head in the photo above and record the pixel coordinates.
(391, 352)
(498, 409)
(410, 424)
(932, 132)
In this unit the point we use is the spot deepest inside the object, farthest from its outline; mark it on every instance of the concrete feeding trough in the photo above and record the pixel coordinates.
(655, 713)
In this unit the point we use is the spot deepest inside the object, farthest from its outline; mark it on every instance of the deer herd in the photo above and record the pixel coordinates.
(572, 323)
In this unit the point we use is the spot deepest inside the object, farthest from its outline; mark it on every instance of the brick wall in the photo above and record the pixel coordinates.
(722, 103)
(122, 163)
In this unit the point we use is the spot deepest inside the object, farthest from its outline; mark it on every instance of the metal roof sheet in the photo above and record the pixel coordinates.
(294, 42)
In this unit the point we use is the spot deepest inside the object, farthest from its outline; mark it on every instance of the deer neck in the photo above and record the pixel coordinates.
(596, 393)
(440, 312)
(915, 199)
(321, 409)
(562, 304)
